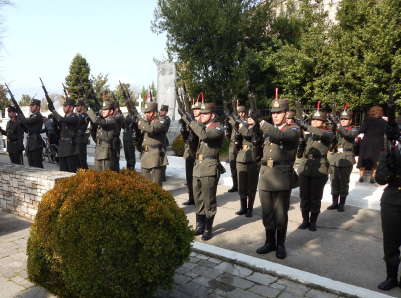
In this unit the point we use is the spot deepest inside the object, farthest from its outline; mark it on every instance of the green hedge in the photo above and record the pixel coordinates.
(178, 146)
(107, 234)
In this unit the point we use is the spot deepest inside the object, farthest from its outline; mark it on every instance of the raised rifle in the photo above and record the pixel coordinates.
(227, 125)
(17, 107)
(49, 100)
(181, 108)
(299, 115)
(97, 104)
(334, 118)
(391, 119)
(257, 139)
(86, 100)
(186, 98)
(65, 91)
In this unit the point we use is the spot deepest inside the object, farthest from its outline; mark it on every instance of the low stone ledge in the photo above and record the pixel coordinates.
(22, 188)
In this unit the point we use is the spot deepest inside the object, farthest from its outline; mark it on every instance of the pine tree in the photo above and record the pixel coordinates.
(79, 70)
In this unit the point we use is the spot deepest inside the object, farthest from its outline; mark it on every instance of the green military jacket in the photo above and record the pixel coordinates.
(279, 150)
(106, 129)
(128, 129)
(153, 152)
(82, 137)
(210, 142)
(168, 121)
(68, 133)
(390, 175)
(344, 157)
(191, 144)
(245, 154)
(15, 136)
(33, 128)
(314, 162)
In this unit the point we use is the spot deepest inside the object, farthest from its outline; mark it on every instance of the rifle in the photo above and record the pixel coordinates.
(391, 119)
(17, 107)
(150, 94)
(49, 100)
(299, 115)
(97, 104)
(186, 99)
(65, 91)
(227, 125)
(333, 144)
(257, 139)
(86, 101)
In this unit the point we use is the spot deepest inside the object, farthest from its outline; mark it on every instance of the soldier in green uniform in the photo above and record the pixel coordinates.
(290, 118)
(34, 144)
(277, 176)
(247, 166)
(313, 167)
(68, 150)
(128, 142)
(15, 137)
(342, 162)
(207, 167)
(106, 130)
(153, 154)
(82, 137)
(163, 114)
(235, 145)
(191, 145)
(116, 142)
(389, 172)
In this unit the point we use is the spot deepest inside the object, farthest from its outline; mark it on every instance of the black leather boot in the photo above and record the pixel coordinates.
(342, 203)
(270, 243)
(190, 200)
(280, 252)
(233, 189)
(305, 222)
(200, 224)
(249, 212)
(207, 234)
(335, 203)
(391, 280)
(313, 219)
(243, 209)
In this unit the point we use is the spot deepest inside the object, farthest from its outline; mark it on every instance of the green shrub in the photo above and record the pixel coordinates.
(107, 234)
(178, 146)
(225, 147)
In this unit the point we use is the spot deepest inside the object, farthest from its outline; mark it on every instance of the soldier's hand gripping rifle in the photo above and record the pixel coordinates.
(181, 108)
(227, 125)
(299, 115)
(65, 91)
(49, 101)
(86, 100)
(257, 139)
(97, 104)
(186, 99)
(334, 125)
(17, 107)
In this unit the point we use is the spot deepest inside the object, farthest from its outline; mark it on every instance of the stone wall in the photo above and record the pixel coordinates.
(22, 187)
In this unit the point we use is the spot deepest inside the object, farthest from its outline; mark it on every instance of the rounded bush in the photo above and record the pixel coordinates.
(107, 234)
(178, 146)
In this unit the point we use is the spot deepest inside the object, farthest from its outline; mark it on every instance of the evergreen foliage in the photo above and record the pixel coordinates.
(79, 70)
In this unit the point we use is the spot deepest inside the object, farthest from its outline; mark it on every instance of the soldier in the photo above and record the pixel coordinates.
(290, 118)
(191, 145)
(34, 144)
(389, 172)
(82, 137)
(116, 142)
(163, 114)
(313, 168)
(68, 149)
(207, 167)
(277, 176)
(128, 142)
(341, 162)
(153, 154)
(106, 130)
(15, 137)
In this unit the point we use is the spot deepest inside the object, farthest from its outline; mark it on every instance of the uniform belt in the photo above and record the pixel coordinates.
(148, 148)
(246, 147)
(98, 142)
(202, 157)
(311, 157)
(8, 140)
(32, 134)
(66, 139)
(272, 163)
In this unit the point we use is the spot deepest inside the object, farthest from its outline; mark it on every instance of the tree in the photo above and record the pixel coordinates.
(79, 70)
(25, 100)
(4, 101)
(100, 85)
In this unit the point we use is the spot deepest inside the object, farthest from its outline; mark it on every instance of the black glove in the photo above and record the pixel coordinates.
(256, 117)
(237, 119)
(334, 121)
(302, 124)
(187, 117)
(227, 114)
(51, 107)
(181, 112)
(392, 132)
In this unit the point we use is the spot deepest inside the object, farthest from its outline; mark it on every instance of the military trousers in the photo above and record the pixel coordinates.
(115, 155)
(35, 158)
(339, 180)
(102, 165)
(248, 177)
(189, 169)
(83, 156)
(129, 152)
(153, 174)
(275, 206)
(311, 192)
(205, 189)
(16, 158)
(69, 163)
(391, 227)
(232, 159)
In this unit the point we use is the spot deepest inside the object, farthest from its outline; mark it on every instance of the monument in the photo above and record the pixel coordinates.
(166, 76)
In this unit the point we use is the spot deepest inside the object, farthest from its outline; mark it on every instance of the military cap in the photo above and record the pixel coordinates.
(291, 115)
(108, 105)
(150, 106)
(279, 105)
(69, 102)
(319, 115)
(11, 108)
(346, 115)
(35, 102)
(398, 120)
(207, 107)
(196, 105)
(241, 109)
(80, 103)
(164, 108)
(116, 104)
